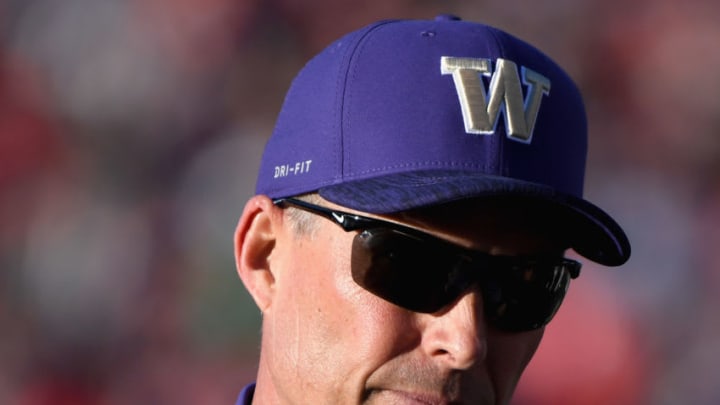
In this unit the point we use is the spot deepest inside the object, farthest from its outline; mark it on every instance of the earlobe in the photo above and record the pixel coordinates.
(255, 238)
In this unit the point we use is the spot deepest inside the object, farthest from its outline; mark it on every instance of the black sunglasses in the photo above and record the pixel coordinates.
(423, 273)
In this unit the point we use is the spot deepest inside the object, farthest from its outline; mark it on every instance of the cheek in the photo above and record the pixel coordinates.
(334, 332)
(369, 328)
(347, 320)
(508, 356)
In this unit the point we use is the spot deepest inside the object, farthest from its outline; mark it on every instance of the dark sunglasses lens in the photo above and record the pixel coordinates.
(404, 270)
(519, 294)
(526, 296)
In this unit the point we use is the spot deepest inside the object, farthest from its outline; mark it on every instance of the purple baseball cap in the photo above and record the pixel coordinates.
(405, 114)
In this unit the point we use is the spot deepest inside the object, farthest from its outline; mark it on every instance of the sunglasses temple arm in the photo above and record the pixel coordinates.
(348, 222)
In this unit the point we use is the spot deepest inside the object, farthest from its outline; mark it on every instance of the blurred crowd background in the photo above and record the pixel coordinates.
(130, 133)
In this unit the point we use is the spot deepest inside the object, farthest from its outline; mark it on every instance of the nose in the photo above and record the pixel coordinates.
(456, 335)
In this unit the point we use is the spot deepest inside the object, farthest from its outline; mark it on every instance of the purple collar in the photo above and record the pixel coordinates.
(246, 395)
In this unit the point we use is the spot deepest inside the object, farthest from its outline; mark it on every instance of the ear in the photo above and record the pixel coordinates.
(255, 238)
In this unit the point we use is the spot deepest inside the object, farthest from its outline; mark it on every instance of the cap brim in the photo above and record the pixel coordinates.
(592, 233)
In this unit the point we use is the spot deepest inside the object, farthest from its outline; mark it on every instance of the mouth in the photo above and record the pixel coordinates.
(412, 398)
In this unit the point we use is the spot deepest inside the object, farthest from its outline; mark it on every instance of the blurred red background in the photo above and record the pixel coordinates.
(130, 133)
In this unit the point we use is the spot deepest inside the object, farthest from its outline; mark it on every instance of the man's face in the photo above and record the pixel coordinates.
(326, 340)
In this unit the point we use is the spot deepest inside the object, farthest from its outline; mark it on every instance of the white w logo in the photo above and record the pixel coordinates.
(480, 112)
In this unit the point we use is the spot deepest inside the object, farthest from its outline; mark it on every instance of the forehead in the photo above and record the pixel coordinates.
(494, 224)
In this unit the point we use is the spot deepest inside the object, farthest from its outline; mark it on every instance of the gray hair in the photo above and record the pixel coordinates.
(303, 222)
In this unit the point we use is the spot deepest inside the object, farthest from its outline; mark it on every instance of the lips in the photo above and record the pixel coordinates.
(413, 398)
(416, 385)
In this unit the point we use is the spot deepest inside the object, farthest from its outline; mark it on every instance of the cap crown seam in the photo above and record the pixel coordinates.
(354, 54)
